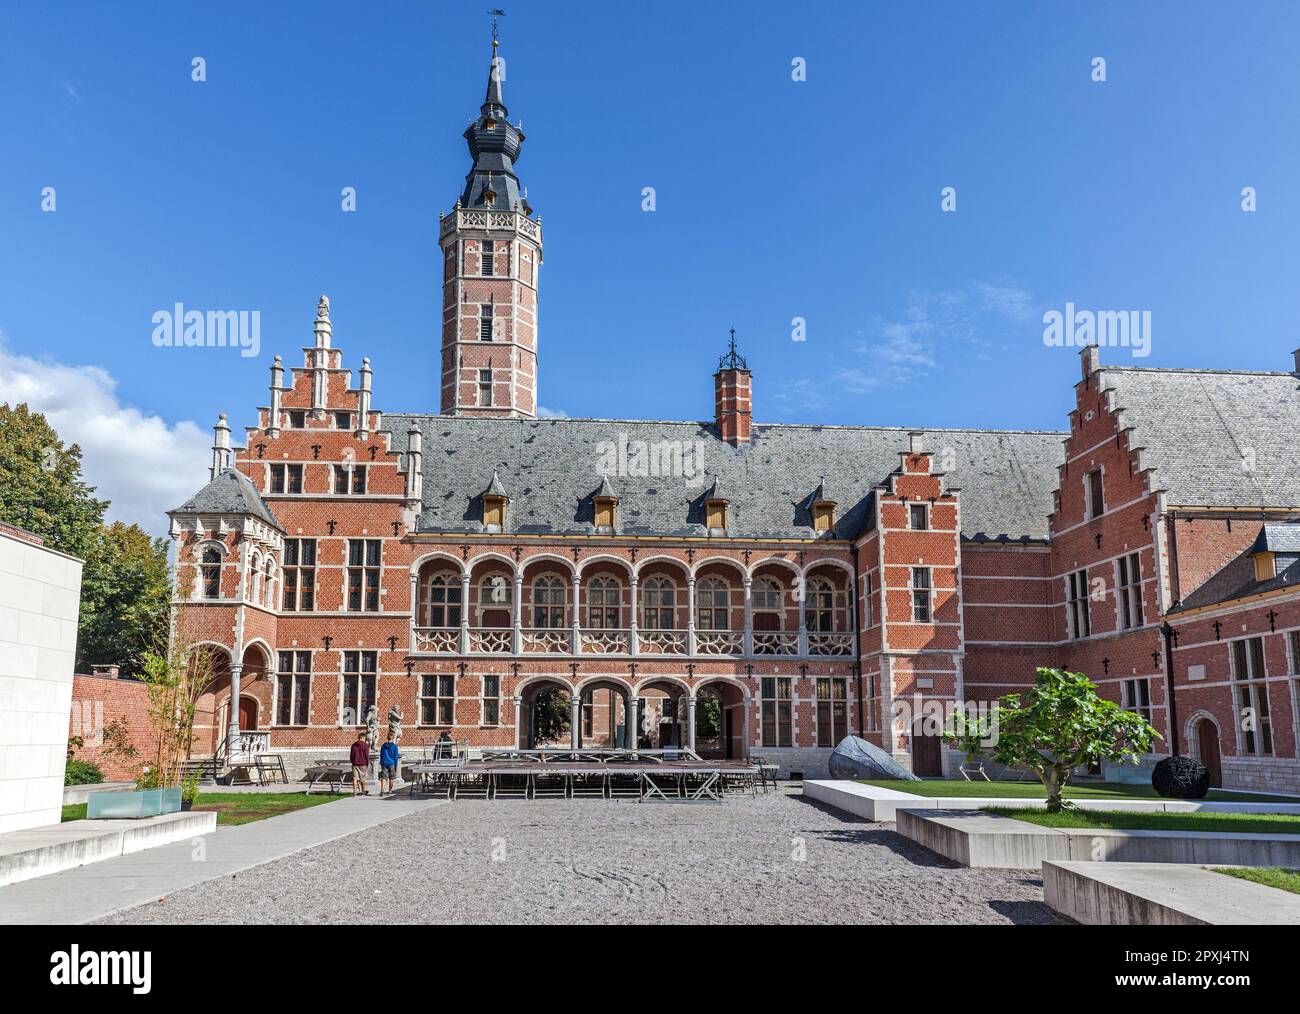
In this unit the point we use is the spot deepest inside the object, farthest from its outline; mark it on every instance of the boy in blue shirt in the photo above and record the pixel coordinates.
(389, 755)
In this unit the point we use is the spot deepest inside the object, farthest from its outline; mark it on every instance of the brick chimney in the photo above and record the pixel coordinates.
(733, 390)
(107, 671)
(1296, 356)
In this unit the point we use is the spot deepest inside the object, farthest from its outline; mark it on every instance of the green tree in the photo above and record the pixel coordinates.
(708, 716)
(1061, 725)
(126, 593)
(43, 488)
(551, 716)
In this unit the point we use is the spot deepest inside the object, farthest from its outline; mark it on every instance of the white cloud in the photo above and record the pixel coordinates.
(141, 463)
(893, 352)
(551, 413)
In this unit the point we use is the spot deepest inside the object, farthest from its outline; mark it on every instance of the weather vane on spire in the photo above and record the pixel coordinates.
(733, 360)
(496, 13)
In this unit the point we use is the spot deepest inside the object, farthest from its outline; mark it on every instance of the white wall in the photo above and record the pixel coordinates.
(40, 593)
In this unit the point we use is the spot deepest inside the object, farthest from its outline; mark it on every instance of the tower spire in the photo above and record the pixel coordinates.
(493, 143)
(496, 72)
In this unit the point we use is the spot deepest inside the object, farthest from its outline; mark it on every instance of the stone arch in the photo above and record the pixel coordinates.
(731, 740)
(456, 562)
(604, 704)
(527, 694)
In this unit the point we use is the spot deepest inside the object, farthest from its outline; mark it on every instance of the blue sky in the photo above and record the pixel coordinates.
(775, 199)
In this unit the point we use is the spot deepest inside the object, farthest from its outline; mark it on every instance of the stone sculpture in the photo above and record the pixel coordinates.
(856, 758)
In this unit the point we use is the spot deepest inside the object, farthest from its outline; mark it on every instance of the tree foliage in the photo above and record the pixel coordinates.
(1062, 724)
(43, 488)
(125, 590)
(551, 716)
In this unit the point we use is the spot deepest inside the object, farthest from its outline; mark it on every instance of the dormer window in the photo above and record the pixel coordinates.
(495, 500)
(604, 507)
(715, 513)
(918, 517)
(1265, 566)
(606, 511)
(822, 508)
(823, 515)
(494, 513)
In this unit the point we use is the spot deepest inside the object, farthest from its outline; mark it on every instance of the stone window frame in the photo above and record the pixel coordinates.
(438, 699)
(1128, 593)
(299, 680)
(485, 698)
(201, 564)
(780, 702)
(297, 569)
(360, 672)
(917, 590)
(1248, 691)
(1077, 600)
(1137, 702)
(831, 683)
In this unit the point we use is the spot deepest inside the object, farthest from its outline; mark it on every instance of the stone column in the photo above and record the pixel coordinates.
(803, 626)
(575, 716)
(232, 729)
(690, 616)
(415, 608)
(631, 727)
(577, 614)
(632, 633)
(464, 614)
(749, 616)
(516, 616)
(690, 723)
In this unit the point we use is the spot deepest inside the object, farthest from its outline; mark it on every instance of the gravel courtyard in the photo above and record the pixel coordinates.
(773, 859)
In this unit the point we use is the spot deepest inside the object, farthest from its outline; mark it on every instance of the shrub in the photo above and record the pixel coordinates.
(80, 772)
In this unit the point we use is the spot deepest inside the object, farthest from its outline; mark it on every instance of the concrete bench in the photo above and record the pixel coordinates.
(1162, 894)
(994, 840)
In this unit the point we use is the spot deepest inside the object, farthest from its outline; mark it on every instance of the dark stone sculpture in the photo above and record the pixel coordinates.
(1181, 778)
(856, 758)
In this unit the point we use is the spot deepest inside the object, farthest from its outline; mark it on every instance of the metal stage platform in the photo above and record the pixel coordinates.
(643, 775)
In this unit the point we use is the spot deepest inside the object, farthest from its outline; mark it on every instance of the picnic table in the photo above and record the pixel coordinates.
(332, 773)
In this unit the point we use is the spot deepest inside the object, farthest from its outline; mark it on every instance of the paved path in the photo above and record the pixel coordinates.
(777, 858)
(98, 890)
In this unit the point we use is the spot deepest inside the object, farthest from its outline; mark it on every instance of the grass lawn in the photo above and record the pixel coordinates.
(1269, 876)
(1233, 823)
(239, 807)
(1034, 790)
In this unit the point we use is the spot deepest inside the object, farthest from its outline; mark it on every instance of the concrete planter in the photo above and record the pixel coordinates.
(133, 805)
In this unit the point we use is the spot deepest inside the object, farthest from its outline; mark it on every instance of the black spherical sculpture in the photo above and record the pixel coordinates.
(1181, 778)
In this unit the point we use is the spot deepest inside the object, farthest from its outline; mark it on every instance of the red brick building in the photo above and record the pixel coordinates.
(740, 587)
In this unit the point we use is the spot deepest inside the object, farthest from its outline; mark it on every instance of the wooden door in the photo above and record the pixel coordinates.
(927, 758)
(1207, 737)
(247, 714)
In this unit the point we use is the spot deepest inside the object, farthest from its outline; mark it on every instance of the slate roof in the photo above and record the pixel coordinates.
(1237, 578)
(1280, 538)
(1199, 426)
(552, 466)
(231, 492)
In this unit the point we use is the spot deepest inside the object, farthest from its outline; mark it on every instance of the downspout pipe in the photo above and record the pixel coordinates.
(1170, 699)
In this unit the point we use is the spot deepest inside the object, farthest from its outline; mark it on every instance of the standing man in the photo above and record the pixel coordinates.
(360, 762)
(389, 755)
